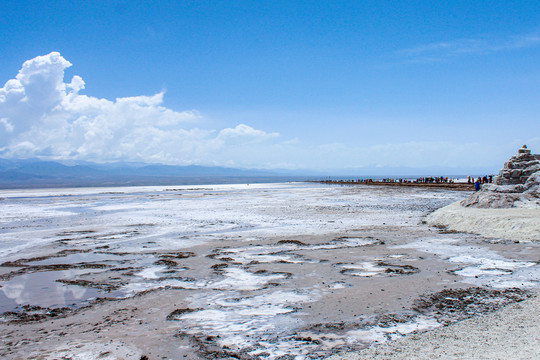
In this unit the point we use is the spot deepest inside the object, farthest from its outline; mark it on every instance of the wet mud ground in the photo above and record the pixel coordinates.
(260, 271)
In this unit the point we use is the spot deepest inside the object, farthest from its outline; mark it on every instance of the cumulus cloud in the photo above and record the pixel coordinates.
(43, 116)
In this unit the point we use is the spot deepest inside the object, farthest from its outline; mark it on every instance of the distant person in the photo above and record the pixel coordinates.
(477, 184)
(468, 179)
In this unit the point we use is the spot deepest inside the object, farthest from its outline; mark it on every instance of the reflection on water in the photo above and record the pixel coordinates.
(41, 289)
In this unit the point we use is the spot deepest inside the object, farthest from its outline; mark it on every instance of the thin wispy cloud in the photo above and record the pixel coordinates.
(440, 51)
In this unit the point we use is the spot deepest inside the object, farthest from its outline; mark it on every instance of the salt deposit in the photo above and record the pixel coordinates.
(480, 266)
(234, 270)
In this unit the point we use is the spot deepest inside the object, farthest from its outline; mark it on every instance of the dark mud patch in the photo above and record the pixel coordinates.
(221, 257)
(76, 232)
(382, 269)
(218, 268)
(158, 280)
(292, 242)
(452, 305)
(381, 320)
(176, 255)
(24, 261)
(94, 236)
(207, 347)
(391, 269)
(130, 269)
(178, 312)
(286, 275)
(446, 231)
(141, 225)
(166, 262)
(29, 313)
(371, 241)
(90, 284)
(53, 267)
(283, 274)
(170, 260)
(441, 229)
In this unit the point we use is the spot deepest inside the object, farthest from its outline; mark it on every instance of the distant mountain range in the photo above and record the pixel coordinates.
(31, 173)
(35, 173)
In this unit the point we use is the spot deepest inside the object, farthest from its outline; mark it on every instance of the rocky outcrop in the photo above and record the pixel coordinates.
(518, 168)
(516, 185)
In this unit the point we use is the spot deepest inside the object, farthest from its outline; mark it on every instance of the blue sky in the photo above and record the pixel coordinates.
(331, 85)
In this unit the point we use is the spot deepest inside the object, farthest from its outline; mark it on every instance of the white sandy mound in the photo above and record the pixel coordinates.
(511, 223)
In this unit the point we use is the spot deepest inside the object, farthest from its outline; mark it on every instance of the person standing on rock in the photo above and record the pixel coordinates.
(477, 184)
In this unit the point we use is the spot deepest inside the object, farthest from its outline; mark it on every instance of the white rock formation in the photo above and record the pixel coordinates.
(517, 185)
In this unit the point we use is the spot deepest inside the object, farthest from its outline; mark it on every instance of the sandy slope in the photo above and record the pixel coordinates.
(512, 333)
(511, 224)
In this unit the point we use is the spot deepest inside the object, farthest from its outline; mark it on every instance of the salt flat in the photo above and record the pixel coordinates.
(259, 270)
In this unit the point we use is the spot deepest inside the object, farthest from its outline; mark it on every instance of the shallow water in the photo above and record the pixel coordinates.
(267, 269)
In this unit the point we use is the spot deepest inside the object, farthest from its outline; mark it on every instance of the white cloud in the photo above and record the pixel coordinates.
(472, 46)
(43, 116)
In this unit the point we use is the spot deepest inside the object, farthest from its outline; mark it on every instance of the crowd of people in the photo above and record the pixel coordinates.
(486, 179)
(423, 180)
(434, 180)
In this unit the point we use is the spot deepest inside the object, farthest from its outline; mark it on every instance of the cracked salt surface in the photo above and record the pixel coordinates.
(283, 252)
(365, 269)
(234, 279)
(239, 320)
(240, 279)
(482, 267)
(111, 350)
(266, 268)
(151, 272)
(379, 334)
